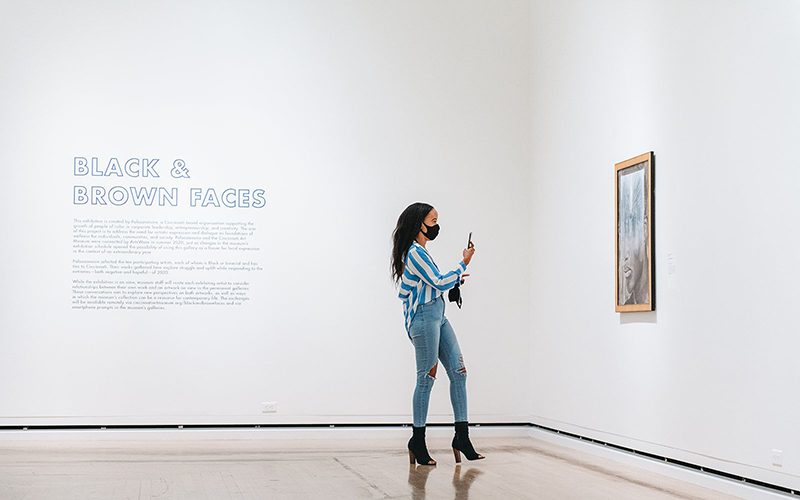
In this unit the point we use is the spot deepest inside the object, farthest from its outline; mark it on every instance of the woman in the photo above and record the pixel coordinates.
(422, 289)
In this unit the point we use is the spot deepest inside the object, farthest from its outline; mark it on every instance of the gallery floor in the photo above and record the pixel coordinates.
(514, 468)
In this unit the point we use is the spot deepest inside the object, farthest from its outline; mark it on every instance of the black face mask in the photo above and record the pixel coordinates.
(433, 231)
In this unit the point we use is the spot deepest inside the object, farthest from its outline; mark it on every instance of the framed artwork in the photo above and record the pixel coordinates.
(633, 195)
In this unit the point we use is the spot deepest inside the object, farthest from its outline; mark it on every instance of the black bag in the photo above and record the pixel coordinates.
(454, 295)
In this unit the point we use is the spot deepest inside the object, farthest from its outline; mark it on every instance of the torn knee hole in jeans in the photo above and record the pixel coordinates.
(432, 373)
(463, 368)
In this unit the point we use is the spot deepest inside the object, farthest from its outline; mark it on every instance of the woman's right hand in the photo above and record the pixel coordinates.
(468, 252)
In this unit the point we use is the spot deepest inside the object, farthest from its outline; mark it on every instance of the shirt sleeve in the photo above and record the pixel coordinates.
(421, 265)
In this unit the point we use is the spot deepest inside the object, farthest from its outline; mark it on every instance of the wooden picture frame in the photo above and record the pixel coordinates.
(634, 250)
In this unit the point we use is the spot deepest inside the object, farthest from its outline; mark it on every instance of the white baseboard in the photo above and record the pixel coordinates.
(245, 420)
(251, 433)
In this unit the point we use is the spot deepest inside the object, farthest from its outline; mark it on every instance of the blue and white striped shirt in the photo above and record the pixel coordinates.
(422, 282)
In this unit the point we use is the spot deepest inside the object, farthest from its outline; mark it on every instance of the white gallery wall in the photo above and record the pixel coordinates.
(711, 87)
(343, 113)
(508, 117)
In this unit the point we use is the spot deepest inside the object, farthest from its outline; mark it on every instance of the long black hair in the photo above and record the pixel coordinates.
(409, 225)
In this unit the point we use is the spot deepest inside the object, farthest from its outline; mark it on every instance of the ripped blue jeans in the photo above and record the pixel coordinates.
(434, 339)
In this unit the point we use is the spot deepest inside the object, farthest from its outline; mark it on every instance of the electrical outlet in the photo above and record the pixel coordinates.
(269, 407)
(777, 458)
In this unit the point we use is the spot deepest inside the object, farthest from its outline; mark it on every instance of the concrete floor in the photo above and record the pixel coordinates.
(514, 468)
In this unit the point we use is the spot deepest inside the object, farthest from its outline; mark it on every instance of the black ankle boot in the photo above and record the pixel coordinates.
(417, 448)
(462, 443)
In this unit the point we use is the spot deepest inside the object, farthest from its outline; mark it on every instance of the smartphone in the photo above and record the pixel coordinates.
(469, 242)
